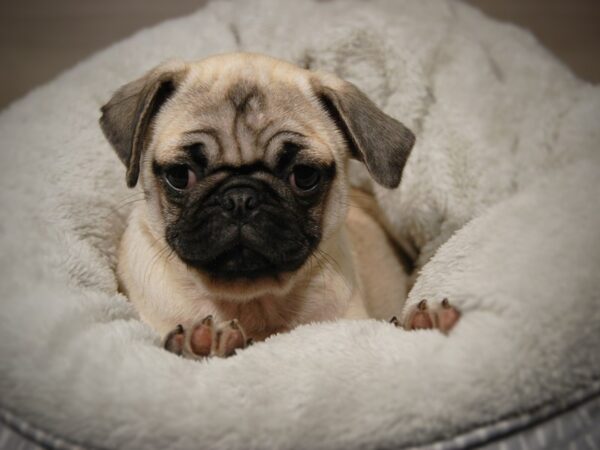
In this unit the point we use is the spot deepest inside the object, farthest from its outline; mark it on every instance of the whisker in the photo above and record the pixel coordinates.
(159, 254)
(130, 202)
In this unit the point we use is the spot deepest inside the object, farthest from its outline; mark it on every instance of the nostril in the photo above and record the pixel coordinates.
(251, 202)
(228, 204)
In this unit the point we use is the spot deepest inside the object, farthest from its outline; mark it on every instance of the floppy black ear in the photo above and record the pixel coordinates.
(378, 140)
(127, 116)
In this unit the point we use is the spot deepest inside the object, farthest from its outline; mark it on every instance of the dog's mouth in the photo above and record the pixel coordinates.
(240, 262)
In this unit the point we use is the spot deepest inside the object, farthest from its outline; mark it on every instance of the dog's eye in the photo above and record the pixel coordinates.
(180, 177)
(305, 178)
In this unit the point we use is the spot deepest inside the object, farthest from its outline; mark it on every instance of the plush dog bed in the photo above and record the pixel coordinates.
(500, 203)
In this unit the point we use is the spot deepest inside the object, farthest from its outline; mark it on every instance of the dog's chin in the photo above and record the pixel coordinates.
(242, 274)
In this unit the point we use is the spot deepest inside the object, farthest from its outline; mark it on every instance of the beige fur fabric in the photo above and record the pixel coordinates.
(499, 203)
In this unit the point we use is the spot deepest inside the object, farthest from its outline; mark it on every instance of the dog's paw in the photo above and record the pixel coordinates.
(422, 316)
(207, 338)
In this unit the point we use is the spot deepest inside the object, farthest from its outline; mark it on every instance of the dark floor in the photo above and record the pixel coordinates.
(40, 38)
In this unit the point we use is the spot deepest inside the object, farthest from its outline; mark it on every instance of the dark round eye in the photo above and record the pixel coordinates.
(180, 177)
(305, 178)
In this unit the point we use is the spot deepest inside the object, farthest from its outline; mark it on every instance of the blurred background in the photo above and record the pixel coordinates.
(40, 38)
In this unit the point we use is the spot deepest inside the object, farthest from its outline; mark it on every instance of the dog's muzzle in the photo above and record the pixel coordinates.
(242, 230)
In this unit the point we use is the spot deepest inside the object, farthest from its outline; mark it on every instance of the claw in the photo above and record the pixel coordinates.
(447, 317)
(421, 320)
(229, 339)
(201, 338)
(174, 340)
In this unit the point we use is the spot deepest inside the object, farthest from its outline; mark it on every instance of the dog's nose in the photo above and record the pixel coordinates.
(240, 201)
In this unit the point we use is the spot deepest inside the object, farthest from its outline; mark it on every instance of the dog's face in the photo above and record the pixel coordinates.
(243, 160)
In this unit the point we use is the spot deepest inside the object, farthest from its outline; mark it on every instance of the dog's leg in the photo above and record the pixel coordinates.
(207, 338)
(421, 316)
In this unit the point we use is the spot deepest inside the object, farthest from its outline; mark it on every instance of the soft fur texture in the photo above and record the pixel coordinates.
(502, 186)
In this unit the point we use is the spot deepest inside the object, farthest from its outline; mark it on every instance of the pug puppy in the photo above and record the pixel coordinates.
(249, 227)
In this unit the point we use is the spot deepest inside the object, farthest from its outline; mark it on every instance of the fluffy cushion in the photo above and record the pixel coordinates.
(501, 188)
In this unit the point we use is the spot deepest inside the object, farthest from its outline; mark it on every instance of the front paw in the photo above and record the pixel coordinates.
(206, 338)
(421, 316)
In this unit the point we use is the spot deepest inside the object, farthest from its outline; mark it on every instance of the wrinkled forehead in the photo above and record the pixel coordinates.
(240, 114)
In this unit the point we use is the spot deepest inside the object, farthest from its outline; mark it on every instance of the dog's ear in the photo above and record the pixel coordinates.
(126, 118)
(378, 140)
